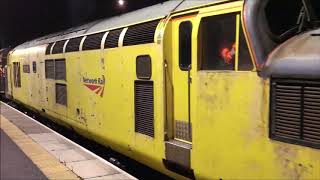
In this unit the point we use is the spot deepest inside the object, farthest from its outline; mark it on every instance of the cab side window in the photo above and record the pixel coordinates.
(218, 38)
(217, 44)
(245, 61)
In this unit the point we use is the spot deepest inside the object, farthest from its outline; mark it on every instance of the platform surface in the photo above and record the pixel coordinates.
(41, 153)
(14, 163)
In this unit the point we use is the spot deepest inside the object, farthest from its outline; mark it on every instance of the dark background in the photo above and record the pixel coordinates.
(23, 20)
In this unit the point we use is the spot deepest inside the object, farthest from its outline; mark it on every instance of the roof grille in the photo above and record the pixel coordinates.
(48, 50)
(144, 110)
(93, 41)
(295, 112)
(141, 33)
(58, 47)
(113, 39)
(73, 44)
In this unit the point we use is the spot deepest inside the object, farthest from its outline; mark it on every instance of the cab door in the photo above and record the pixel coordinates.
(35, 82)
(182, 77)
(40, 66)
(180, 87)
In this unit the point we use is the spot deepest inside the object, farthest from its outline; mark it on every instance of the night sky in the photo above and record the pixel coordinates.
(23, 20)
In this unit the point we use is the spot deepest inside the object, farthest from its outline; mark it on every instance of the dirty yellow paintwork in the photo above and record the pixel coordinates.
(229, 109)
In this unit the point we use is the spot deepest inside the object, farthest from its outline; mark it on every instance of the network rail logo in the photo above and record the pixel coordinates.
(95, 84)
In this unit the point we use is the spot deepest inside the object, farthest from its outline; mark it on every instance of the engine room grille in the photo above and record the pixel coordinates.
(48, 50)
(295, 112)
(60, 69)
(141, 33)
(144, 110)
(49, 68)
(58, 47)
(93, 42)
(113, 39)
(73, 44)
(61, 94)
(16, 74)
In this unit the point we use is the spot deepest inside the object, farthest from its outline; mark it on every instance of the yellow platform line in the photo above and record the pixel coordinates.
(47, 163)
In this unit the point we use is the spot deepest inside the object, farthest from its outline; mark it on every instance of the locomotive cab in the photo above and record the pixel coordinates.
(217, 93)
(291, 60)
(271, 23)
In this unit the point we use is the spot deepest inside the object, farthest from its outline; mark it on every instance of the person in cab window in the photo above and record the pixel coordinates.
(223, 43)
(218, 47)
(225, 54)
(228, 55)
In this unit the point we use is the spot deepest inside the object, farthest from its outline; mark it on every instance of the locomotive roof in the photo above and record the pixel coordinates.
(152, 12)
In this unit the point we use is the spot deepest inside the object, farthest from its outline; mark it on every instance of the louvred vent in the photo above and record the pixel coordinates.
(58, 47)
(48, 50)
(141, 33)
(113, 39)
(144, 110)
(73, 44)
(61, 94)
(49, 69)
(60, 69)
(295, 112)
(93, 41)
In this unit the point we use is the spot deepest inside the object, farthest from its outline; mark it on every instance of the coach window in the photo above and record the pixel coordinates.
(16, 74)
(185, 36)
(34, 67)
(217, 43)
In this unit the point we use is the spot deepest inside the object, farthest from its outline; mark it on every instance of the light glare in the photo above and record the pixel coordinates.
(121, 2)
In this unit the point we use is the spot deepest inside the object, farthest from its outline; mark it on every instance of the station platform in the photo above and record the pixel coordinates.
(30, 150)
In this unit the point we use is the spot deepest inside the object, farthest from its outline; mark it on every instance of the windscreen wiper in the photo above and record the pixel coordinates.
(311, 16)
(301, 19)
(307, 16)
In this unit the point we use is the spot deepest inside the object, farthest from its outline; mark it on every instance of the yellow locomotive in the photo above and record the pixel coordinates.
(214, 89)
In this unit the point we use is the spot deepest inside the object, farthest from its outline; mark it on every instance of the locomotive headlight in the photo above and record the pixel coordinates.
(121, 2)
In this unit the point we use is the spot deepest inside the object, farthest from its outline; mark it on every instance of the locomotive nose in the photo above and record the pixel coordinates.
(299, 57)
